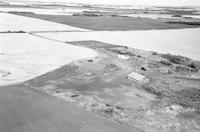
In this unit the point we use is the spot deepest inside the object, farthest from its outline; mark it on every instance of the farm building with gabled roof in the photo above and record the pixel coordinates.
(138, 77)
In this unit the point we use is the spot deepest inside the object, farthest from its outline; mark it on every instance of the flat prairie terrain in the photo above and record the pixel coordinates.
(179, 42)
(109, 23)
(24, 56)
(23, 109)
(130, 82)
(164, 104)
(48, 10)
(13, 23)
(44, 11)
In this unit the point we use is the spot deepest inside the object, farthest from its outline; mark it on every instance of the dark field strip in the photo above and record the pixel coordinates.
(108, 23)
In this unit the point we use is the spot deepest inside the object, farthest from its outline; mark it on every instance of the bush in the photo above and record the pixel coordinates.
(143, 69)
(154, 53)
(176, 59)
(167, 63)
(184, 69)
(184, 61)
(194, 66)
(114, 15)
(176, 15)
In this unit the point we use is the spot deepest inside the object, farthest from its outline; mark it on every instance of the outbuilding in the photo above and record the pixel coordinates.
(138, 77)
(123, 56)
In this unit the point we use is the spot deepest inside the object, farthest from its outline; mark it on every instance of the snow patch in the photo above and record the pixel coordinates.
(9, 22)
(177, 41)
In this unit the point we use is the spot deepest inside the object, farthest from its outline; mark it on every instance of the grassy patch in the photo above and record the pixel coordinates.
(188, 98)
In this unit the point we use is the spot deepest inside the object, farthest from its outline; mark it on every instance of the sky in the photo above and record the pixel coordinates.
(145, 2)
(133, 2)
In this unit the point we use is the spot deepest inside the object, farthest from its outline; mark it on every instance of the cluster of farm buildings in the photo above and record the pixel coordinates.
(100, 69)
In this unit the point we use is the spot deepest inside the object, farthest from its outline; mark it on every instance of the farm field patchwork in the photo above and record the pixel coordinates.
(82, 68)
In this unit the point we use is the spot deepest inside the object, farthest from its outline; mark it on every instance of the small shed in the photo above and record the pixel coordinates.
(138, 77)
(92, 67)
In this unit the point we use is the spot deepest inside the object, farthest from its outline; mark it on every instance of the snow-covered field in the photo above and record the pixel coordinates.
(36, 11)
(9, 22)
(24, 56)
(152, 16)
(44, 11)
(184, 42)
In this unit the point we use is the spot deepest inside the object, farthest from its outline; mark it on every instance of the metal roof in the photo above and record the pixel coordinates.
(137, 76)
(93, 66)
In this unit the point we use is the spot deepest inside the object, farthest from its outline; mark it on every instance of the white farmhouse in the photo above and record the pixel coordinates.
(123, 56)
